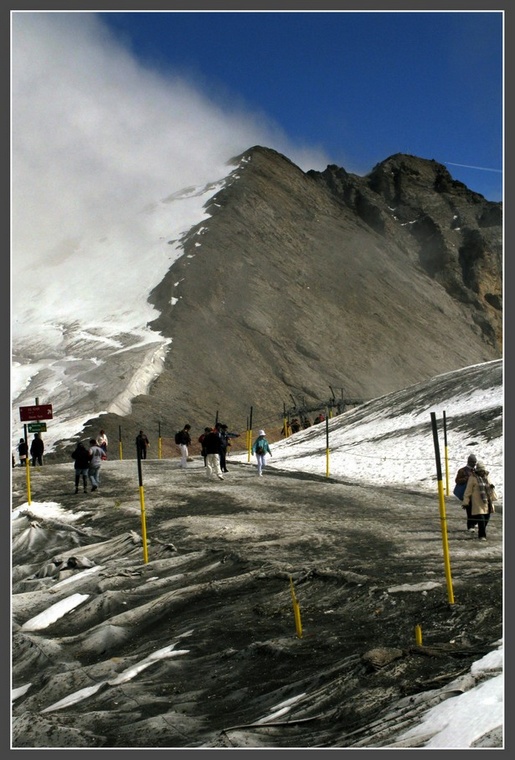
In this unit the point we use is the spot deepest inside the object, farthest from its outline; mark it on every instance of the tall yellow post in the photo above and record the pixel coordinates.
(27, 478)
(142, 504)
(443, 516)
(296, 610)
(326, 444)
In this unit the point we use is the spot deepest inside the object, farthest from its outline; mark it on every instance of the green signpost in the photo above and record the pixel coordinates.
(37, 427)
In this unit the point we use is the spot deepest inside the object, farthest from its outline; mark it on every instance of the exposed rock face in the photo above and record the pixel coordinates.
(302, 284)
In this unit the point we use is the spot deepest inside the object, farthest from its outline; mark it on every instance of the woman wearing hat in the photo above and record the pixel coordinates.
(261, 449)
(480, 494)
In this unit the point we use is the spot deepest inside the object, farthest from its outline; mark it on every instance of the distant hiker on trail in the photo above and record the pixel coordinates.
(95, 463)
(481, 495)
(183, 440)
(102, 442)
(306, 423)
(462, 477)
(320, 418)
(201, 441)
(295, 425)
(225, 435)
(81, 465)
(37, 447)
(261, 449)
(23, 451)
(212, 444)
(142, 444)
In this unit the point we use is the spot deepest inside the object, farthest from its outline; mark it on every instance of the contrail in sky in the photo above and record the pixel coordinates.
(481, 168)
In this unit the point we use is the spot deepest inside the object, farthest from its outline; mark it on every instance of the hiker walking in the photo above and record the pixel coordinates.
(95, 463)
(23, 451)
(183, 440)
(481, 495)
(261, 448)
(81, 466)
(462, 477)
(142, 444)
(37, 447)
(225, 436)
(201, 441)
(212, 445)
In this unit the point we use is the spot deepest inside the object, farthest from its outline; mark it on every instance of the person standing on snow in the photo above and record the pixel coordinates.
(261, 449)
(23, 451)
(102, 442)
(481, 495)
(37, 447)
(462, 477)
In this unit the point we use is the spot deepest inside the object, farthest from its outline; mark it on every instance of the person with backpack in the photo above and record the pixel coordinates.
(183, 440)
(480, 494)
(81, 466)
(261, 448)
(462, 477)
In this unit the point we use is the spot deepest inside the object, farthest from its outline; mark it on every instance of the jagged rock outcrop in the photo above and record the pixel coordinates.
(305, 284)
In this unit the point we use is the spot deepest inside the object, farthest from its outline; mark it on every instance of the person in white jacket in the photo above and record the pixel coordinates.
(480, 494)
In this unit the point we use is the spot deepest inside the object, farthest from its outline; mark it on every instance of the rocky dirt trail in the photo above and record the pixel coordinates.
(199, 645)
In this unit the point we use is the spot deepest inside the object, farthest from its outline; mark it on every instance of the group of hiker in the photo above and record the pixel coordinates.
(472, 484)
(477, 495)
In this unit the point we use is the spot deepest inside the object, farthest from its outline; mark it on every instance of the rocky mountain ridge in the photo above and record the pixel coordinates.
(302, 285)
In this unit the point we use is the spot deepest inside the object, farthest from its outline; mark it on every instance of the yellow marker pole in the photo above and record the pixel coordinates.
(418, 635)
(285, 422)
(142, 504)
(27, 478)
(120, 447)
(443, 517)
(326, 445)
(159, 442)
(296, 610)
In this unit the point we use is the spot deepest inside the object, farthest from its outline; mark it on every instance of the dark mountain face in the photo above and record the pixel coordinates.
(301, 285)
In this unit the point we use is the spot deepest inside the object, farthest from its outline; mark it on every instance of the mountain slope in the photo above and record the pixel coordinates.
(302, 283)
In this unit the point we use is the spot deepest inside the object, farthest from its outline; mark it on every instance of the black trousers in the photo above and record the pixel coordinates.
(223, 465)
(482, 522)
(471, 521)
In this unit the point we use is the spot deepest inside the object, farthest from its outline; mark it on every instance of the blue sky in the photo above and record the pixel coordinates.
(356, 86)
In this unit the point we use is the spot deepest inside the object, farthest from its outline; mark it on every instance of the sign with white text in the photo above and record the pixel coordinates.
(36, 413)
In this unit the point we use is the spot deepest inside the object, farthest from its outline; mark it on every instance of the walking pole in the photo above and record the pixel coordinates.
(446, 451)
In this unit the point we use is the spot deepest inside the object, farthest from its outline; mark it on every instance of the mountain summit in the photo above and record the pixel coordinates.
(286, 290)
(309, 283)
